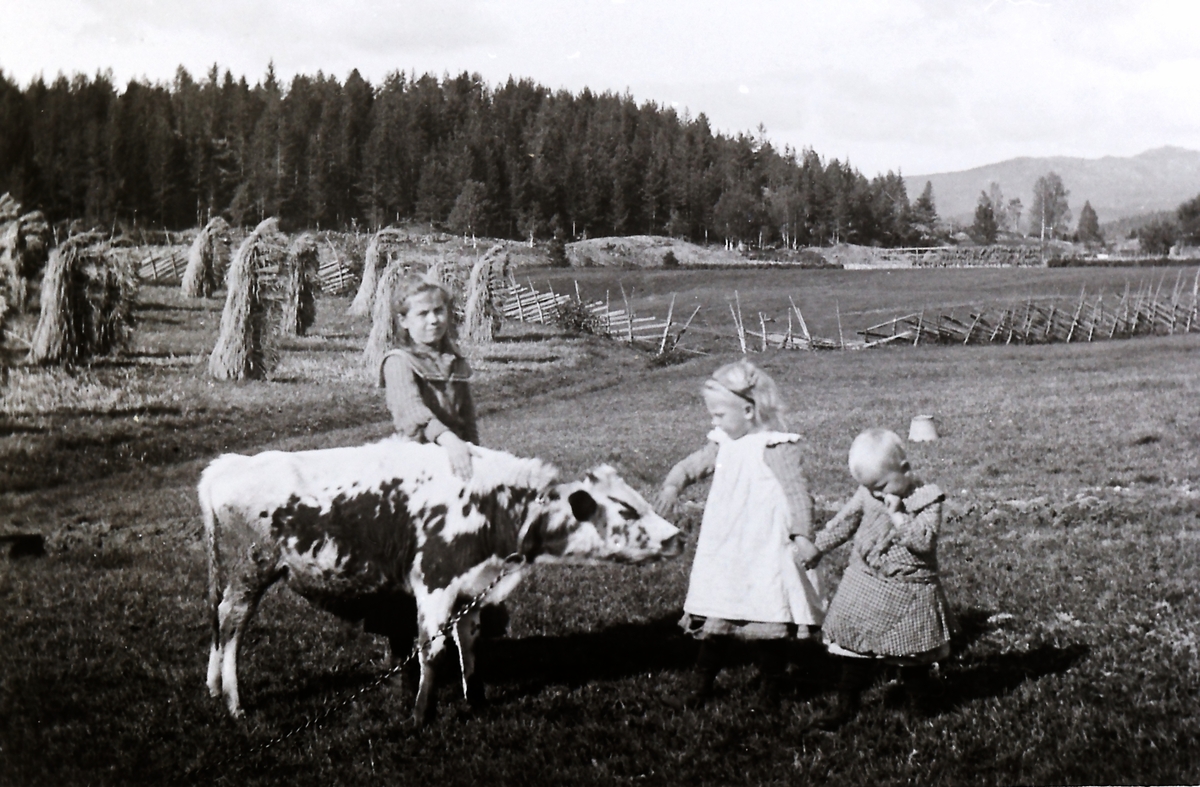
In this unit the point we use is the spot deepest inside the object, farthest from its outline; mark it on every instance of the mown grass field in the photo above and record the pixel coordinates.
(1071, 551)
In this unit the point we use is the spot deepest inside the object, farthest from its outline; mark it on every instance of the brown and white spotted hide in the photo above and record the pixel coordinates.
(387, 534)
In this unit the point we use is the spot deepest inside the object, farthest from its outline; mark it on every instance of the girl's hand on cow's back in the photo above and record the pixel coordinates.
(459, 453)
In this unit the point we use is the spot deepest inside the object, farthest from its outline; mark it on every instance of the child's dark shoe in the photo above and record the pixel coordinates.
(921, 687)
(697, 690)
(769, 697)
(845, 707)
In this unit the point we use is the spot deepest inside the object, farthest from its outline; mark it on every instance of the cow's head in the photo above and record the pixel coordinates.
(602, 518)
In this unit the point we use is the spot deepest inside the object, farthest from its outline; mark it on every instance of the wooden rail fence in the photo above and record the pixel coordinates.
(167, 264)
(526, 304)
(163, 264)
(1147, 311)
(335, 277)
(1150, 311)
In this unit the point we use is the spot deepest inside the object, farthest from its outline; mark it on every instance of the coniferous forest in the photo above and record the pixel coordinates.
(515, 160)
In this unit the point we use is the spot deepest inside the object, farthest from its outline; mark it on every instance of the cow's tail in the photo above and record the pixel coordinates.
(209, 515)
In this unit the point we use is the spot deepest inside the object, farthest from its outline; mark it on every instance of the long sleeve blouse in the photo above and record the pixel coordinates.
(429, 394)
(785, 461)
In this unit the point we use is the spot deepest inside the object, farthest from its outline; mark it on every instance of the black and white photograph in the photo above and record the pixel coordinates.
(599, 392)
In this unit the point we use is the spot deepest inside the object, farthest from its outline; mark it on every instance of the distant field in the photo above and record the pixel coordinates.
(863, 297)
(1071, 552)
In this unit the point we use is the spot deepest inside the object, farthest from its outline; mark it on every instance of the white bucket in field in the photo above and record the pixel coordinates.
(922, 429)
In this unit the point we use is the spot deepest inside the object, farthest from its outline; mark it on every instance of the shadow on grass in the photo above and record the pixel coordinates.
(991, 675)
(574, 659)
(210, 304)
(997, 674)
(532, 336)
(529, 664)
(9, 429)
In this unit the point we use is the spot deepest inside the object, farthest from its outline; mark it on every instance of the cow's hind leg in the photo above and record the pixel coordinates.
(238, 604)
(465, 633)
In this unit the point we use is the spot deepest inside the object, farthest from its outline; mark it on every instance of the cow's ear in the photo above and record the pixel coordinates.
(583, 505)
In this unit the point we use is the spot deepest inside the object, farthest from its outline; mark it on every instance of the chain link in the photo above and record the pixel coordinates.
(511, 562)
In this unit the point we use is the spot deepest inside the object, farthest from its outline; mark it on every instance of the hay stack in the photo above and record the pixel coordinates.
(87, 303)
(10, 209)
(24, 246)
(242, 349)
(383, 325)
(10, 260)
(377, 258)
(208, 260)
(299, 285)
(481, 319)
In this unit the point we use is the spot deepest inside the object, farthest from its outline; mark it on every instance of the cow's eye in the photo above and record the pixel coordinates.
(628, 512)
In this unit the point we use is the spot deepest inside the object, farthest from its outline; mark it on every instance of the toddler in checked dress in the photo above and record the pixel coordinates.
(890, 605)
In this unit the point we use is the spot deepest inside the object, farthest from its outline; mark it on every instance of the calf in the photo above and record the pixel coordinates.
(387, 534)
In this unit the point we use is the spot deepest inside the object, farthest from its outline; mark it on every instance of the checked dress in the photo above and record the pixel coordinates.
(890, 603)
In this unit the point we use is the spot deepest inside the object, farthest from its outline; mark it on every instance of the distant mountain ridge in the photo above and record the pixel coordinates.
(1117, 187)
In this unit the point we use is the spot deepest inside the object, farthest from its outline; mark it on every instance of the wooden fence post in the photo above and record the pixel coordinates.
(628, 315)
(662, 345)
(803, 325)
(737, 322)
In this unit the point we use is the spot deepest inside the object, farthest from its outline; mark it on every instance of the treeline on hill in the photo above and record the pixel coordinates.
(515, 160)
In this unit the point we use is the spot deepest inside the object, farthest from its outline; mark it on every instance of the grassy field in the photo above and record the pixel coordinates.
(1070, 552)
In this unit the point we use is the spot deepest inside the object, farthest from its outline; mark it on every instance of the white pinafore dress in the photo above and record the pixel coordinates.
(743, 570)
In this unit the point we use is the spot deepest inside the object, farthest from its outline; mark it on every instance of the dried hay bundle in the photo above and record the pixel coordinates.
(24, 247)
(208, 260)
(481, 319)
(87, 303)
(299, 285)
(3, 336)
(452, 275)
(242, 349)
(378, 257)
(10, 208)
(10, 260)
(383, 334)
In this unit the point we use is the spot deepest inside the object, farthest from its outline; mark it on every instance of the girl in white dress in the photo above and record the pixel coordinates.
(747, 580)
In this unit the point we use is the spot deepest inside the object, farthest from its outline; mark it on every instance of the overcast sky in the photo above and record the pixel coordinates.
(922, 86)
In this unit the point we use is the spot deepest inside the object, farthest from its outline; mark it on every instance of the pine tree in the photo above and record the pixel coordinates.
(924, 214)
(985, 227)
(1088, 230)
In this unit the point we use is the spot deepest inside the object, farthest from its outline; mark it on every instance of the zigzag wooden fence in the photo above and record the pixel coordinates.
(163, 264)
(166, 264)
(526, 304)
(1147, 312)
(334, 276)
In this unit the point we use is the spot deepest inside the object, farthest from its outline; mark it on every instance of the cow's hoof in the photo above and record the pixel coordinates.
(476, 694)
(411, 725)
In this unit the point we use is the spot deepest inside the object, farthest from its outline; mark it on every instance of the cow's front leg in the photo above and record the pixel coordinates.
(432, 641)
(465, 634)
